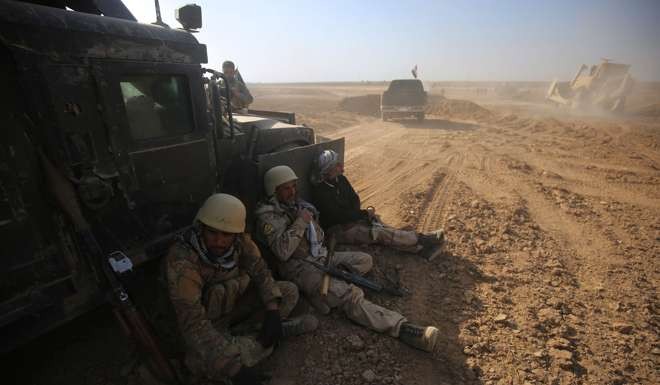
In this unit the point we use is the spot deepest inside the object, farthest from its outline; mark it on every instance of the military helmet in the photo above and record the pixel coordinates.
(223, 212)
(228, 64)
(276, 176)
(327, 160)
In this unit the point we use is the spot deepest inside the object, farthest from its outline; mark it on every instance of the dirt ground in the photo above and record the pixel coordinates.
(551, 271)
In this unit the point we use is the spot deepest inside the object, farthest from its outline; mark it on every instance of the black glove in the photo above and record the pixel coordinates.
(271, 331)
(246, 376)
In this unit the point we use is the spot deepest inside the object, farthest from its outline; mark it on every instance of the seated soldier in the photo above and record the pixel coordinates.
(215, 270)
(289, 226)
(339, 206)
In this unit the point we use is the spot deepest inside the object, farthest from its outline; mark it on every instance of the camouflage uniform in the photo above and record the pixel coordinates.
(288, 237)
(339, 205)
(244, 99)
(205, 296)
(366, 232)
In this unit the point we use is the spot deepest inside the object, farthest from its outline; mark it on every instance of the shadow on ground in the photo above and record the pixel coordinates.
(436, 296)
(439, 295)
(92, 350)
(89, 350)
(440, 124)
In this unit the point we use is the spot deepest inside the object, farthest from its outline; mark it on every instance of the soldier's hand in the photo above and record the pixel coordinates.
(271, 331)
(305, 214)
(247, 376)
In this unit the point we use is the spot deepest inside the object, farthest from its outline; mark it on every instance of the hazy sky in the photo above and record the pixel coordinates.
(285, 40)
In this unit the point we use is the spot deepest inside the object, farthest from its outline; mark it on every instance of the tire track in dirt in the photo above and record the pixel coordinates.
(390, 167)
(588, 259)
(579, 236)
(575, 256)
(386, 183)
(518, 183)
(439, 194)
(510, 173)
(393, 160)
(502, 179)
(458, 164)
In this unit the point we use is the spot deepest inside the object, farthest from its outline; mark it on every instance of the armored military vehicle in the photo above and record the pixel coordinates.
(403, 98)
(113, 134)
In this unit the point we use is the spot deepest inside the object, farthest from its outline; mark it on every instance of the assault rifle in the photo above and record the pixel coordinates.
(355, 279)
(238, 76)
(129, 317)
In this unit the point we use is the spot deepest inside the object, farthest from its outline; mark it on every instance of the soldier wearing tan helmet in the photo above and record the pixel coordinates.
(290, 228)
(215, 273)
(341, 213)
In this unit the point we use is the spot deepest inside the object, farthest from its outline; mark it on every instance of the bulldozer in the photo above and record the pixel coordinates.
(604, 86)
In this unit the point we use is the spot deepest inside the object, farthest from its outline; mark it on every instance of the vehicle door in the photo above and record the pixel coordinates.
(155, 115)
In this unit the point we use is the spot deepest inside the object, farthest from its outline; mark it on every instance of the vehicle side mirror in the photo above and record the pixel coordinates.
(189, 16)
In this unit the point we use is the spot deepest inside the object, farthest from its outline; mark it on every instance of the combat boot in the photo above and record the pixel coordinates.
(420, 337)
(436, 238)
(432, 244)
(299, 325)
(430, 252)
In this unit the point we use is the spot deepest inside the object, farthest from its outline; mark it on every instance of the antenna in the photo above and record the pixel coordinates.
(159, 20)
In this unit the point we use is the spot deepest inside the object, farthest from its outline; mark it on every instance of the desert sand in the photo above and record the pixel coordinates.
(553, 222)
(551, 270)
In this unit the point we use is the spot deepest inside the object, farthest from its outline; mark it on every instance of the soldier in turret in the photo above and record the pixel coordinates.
(240, 95)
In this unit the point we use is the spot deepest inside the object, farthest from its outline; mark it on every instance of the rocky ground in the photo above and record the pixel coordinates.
(551, 270)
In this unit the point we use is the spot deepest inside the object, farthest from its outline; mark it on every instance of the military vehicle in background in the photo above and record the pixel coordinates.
(604, 86)
(403, 98)
(113, 134)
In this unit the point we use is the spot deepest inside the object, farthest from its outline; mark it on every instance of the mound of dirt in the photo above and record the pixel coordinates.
(363, 104)
(328, 122)
(454, 108)
(651, 111)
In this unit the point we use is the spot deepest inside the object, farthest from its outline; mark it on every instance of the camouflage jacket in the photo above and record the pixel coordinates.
(285, 234)
(244, 98)
(188, 277)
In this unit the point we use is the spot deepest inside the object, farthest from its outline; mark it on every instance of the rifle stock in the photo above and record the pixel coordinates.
(325, 284)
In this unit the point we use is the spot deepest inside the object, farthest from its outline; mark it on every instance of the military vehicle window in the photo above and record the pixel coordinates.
(406, 85)
(156, 105)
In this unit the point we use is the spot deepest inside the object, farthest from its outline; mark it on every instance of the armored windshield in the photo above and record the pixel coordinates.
(406, 85)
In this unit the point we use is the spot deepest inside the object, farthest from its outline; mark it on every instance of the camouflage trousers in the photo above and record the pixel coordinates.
(231, 302)
(225, 302)
(348, 297)
(362, 232)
